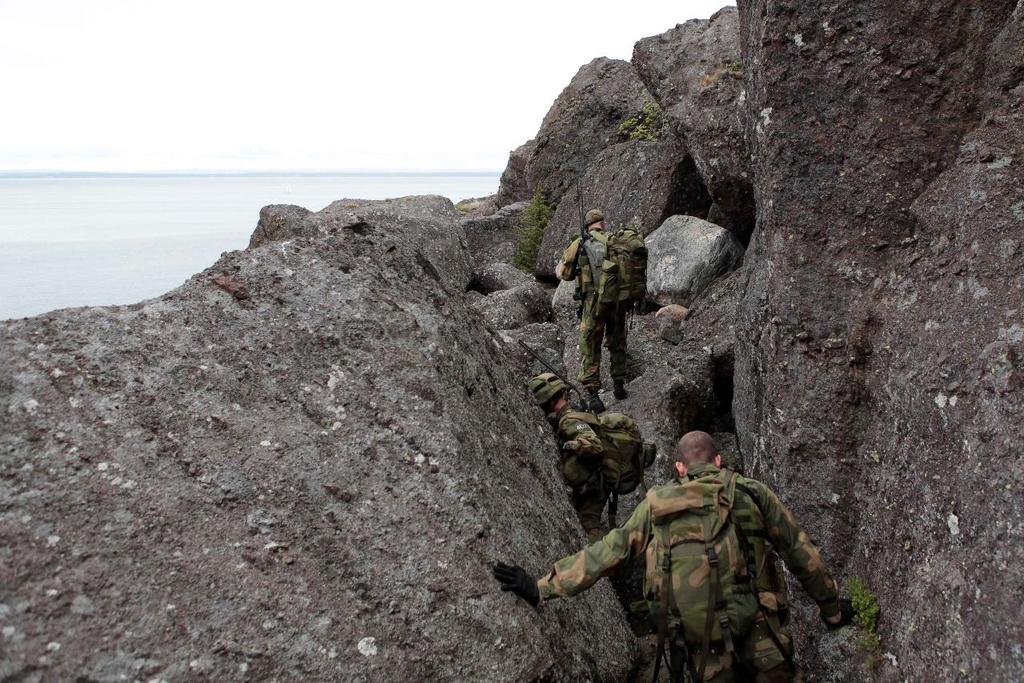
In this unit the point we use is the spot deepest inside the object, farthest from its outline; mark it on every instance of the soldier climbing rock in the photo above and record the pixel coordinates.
(610, 270)
(710, 540)
(601, 457)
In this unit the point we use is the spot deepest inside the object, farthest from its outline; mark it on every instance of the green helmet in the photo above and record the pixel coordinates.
(545, 387)
(593, 216)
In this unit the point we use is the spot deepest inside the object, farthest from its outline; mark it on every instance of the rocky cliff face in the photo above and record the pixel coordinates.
(880, 339)
(696, 74)
(583, 120)
(297, 465)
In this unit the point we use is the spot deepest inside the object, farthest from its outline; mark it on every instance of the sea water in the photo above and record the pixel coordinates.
(100, 240)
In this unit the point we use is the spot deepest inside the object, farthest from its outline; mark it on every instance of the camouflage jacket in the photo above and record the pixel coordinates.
(580, 465)
(756, 508)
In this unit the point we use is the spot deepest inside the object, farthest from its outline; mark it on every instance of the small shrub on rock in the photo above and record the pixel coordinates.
(865, 603)
(531, 232)
(648, 124)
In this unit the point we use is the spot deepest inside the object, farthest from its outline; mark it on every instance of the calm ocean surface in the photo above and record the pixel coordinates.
(84, 241)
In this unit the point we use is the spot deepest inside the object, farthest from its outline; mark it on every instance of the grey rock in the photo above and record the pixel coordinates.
(685, 255)
(670, 322)
(82, 606)
(277, 221)
(544, 338)
(509, 309)
(562, 302)
(695, 72)
(477, 207)
(514, 186)
(670, 330)
(884, 296)
(355, 396)
(427, 223)
(493, 238)
(583, 120)
(498, 276)
(632, 182)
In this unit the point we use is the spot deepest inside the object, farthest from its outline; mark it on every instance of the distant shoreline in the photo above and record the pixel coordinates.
(240, 174)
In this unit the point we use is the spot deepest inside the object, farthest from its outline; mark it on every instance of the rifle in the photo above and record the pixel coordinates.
(584, 235)
(583, 221)
(551, 369)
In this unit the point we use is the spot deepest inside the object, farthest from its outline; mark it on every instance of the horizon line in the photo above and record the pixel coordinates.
(13, 173)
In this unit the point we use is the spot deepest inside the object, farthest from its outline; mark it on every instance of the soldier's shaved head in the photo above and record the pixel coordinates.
(696, 448)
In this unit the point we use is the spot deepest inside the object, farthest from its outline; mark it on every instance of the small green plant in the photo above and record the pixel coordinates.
(648, 124)
(531, 232)
(865, 604)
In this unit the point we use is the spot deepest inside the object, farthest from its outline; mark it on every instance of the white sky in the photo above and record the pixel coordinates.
(127, 85)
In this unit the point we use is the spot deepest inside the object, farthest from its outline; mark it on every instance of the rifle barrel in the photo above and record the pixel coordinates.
(550, 367)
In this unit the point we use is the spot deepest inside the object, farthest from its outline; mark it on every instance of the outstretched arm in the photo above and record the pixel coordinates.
(576, 573)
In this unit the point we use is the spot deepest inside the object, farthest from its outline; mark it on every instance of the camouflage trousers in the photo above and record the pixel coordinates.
(609, 328)
(757, 657)
(589, 502)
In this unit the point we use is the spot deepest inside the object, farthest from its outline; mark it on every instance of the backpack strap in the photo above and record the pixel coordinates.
(667, 604)
(716, 604)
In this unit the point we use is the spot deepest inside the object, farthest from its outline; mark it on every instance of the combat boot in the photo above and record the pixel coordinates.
(594, 403)
(620, 390)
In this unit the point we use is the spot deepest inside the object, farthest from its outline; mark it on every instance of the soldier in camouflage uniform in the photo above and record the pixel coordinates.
(610, 327)
(742, 634)
(581, 450)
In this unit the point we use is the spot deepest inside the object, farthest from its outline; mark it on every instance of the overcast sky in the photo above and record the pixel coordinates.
(121, 85)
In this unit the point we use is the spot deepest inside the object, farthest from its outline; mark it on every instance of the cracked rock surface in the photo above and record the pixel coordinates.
(305, 483)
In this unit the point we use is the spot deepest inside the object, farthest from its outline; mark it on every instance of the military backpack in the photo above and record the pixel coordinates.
(625, 458)
(622, 281)
(724, 575)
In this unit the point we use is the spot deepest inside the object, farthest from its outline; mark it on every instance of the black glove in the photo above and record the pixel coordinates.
(513, 578)
(846, 615)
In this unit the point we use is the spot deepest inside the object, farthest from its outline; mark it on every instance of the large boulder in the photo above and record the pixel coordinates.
(493, 238)
(439, 245)
(497, 276)
(881, 344)
(695, 72)
(298, 465)
(521, 305)
(277, 221)
(583, 120)
(477, 207)
(514, 186)
(635, 182)
(685, 255)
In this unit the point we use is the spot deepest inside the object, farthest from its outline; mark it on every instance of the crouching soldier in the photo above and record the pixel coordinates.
(601, 456)
(709, 541)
